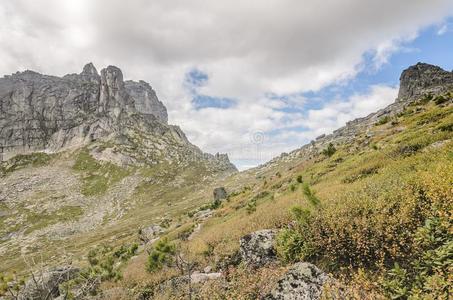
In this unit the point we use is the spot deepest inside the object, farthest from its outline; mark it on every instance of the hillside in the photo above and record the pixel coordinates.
(366, 208)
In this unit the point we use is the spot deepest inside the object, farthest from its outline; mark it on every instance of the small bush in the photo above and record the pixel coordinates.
(300, 179)
(311, 195)
(294, 244)
(160, 255)
(251, 206)
(383, 120)
(446, 127)
(407, 150)
(330, 150)
(440, 99)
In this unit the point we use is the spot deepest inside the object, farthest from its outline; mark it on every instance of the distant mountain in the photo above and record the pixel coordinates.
(48, 113)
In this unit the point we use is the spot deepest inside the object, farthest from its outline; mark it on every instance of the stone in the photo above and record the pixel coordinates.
(150, 232)
(220, 194)
(257, 248)
(303, 281)
(203, 277)
(207, 269)
(47, 284)
(203, 214)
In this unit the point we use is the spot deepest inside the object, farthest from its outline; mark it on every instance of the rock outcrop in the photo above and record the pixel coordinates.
(257, 248)
(422, 79)
(303, 281)
(34, 107)
(47, 113)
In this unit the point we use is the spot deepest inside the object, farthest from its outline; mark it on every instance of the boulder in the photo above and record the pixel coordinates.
(198, 277)
(257, 248)
(220, 194)
(150, 232)
(46, 285)
(303, 281)
(203, 214)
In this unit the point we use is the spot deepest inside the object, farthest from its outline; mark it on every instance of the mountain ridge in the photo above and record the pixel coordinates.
(50, 113)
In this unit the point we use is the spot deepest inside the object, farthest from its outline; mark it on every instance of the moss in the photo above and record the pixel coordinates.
(42, 220)
(21, 161)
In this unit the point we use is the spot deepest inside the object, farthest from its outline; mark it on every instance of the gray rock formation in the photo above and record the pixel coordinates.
(46, 286)
(257, 248)
(33, 107)
(303, 281)
(220, 194)
(48, 113)
(423, 78)
(149, 233)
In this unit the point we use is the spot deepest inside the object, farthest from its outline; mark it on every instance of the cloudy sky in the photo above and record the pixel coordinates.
(250, 78)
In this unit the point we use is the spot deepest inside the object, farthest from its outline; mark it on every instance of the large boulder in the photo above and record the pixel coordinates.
(46, 285)
(220, 194)
(303, 281)
(150, 232)
(257, 248)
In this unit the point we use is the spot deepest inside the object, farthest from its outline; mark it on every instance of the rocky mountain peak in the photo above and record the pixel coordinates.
(423, 78)
(114, 98)
(90, 70)
(49, 113)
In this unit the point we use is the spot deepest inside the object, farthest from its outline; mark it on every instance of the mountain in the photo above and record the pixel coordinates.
(48, 113)
(84, 152)
(362, 213)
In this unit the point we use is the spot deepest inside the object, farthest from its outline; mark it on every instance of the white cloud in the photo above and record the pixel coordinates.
(443, 29)
(248, 48)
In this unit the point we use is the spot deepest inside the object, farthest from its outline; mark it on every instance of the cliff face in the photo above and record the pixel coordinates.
(33, 107)
(40, 112)
(422, 79)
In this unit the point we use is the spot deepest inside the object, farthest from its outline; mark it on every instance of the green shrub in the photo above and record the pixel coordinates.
(105, 261)
(330, 150)
(294, 243)
(216, 204)
(383, 120)
(292, 187)
(427, 274)
(440, 99)
(310, 195)
(446, 127)
(251, 206)
(161, 255)
(300, 179)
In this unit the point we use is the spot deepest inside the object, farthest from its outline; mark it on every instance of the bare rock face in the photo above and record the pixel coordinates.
(33, 107)
(423, 78)
(303, 281)
(257, 248)
(146, 100)
(48, 113)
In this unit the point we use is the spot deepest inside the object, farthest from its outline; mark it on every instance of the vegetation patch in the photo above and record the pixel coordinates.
(97, 176)
(21, 161)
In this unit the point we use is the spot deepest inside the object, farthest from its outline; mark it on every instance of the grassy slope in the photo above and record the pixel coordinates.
(165, 191)
(370, 207)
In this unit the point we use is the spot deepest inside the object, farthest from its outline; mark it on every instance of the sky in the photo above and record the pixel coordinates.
(249, 78)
